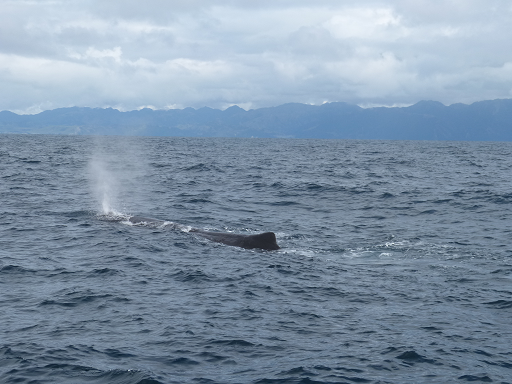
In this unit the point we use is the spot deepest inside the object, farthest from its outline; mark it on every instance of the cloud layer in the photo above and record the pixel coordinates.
(167, 54)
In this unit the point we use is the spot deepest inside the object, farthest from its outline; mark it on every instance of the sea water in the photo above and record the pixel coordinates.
(395, 263)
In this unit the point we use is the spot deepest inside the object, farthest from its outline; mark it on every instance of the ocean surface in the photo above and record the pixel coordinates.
(395, 263)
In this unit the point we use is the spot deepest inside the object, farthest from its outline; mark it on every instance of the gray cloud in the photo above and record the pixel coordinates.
(165, 54)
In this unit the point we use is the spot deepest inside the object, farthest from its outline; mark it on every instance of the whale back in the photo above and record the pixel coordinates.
(144, 220)
(266, 241)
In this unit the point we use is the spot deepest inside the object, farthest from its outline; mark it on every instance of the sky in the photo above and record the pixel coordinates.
(162, 54)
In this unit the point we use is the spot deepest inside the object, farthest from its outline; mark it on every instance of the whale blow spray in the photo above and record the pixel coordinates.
(117, 173)
(104, 185)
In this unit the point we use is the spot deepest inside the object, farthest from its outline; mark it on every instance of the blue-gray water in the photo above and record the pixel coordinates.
(395, 267)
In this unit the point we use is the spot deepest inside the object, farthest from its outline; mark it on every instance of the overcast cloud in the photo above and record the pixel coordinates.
(129, 54)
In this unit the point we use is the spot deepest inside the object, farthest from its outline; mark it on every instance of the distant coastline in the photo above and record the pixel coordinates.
(489, 120)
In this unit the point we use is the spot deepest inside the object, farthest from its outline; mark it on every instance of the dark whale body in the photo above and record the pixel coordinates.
(266, 241)
(145, 220)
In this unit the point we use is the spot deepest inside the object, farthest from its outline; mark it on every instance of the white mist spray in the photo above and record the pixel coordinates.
(117, 175)
(104, 185)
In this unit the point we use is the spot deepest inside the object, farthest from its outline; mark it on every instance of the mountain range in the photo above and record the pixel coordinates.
(489, 120)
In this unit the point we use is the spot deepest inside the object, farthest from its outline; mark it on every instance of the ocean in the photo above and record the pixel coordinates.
(395, 263)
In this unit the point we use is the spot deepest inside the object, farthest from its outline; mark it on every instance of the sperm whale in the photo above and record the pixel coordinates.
(266, 241)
